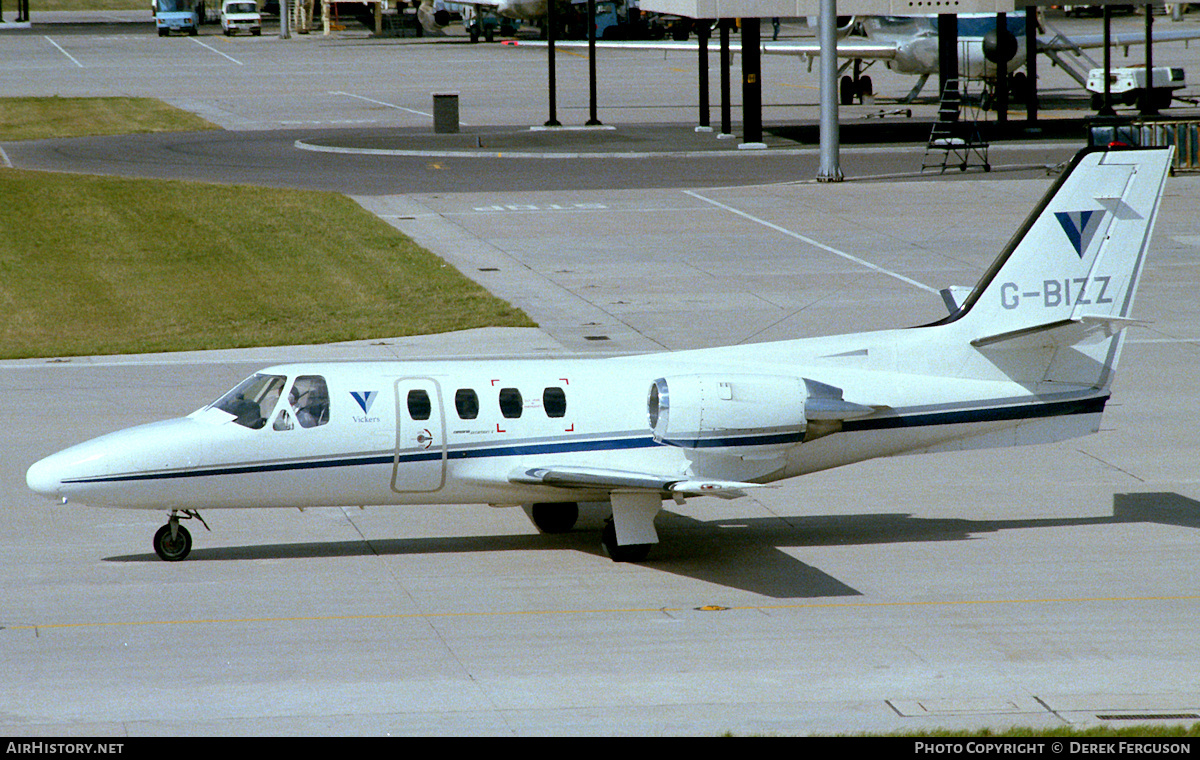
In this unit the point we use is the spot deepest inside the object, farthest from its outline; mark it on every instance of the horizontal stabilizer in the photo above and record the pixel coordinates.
(1067, 332)
(624, 480)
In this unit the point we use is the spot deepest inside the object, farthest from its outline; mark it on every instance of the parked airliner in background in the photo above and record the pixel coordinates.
(909, 45)
(432, 17)
(1027, 357)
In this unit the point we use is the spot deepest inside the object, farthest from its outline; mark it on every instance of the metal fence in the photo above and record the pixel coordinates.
(1184, 134)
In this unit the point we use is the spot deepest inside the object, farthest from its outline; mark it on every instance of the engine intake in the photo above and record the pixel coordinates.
(749, 416)
(739, 414)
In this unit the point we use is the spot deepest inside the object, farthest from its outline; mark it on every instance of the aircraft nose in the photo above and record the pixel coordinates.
(45, 477)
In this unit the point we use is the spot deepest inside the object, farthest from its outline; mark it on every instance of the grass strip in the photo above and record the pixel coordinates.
(37, 118)
(101, 265)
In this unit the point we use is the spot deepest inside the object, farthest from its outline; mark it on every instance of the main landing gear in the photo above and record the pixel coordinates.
(622, 553)
(636, 511)
(173, 542)
(551, 517)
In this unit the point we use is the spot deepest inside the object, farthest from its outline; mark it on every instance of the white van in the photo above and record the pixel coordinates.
(240, 15)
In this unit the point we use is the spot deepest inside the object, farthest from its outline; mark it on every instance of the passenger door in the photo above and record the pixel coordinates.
(420, 461)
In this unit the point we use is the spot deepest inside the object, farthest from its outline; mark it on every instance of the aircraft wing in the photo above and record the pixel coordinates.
(1062, 43)
(852, 49)
(624, 480)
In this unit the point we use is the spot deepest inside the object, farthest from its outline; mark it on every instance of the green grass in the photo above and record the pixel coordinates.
(39, 118)
(87, 5)
(99, 265)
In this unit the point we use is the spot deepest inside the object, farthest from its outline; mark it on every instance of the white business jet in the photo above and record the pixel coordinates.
(1028, 356)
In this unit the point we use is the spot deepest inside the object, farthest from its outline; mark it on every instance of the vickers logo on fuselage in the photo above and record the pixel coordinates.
(1080, 227)
(365, 399)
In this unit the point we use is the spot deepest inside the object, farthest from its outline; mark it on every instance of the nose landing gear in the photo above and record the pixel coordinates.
(173, 542)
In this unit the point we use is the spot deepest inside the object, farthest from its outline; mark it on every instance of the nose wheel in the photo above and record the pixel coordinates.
(173, 542)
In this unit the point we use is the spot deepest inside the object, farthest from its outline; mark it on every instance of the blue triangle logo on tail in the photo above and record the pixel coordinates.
(1080, 227)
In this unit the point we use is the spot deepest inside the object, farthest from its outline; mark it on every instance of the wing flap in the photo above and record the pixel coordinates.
(625, 480)
(1063, 43)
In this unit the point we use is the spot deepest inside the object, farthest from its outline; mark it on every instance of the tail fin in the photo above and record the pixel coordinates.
(1064, 286)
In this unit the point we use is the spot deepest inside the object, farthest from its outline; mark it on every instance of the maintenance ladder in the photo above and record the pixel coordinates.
(955, 139)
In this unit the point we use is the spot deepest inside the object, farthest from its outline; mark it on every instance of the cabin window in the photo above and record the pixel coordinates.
(252, 401)
(511, 403)
(309, 399)
(418, 404)
(554, 401)
(466, 403)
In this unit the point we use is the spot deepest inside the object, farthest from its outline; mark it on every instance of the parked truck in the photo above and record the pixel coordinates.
(177, 15)
(1131, 86)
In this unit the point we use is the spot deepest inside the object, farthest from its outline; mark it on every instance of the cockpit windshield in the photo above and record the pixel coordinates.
(252, 400)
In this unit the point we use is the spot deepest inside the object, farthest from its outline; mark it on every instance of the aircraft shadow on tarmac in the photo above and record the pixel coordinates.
(737, 553)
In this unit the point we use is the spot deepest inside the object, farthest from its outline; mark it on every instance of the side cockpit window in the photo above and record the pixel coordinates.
(309, 400)
(252, 400)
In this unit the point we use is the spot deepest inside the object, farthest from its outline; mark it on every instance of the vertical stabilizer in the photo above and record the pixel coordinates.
(1064, 287)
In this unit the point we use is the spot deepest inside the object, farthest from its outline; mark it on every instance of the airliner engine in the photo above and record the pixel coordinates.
(433, 17)
(845, 24)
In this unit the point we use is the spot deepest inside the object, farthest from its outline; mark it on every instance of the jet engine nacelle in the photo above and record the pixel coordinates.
(845, 24)
(431, 17)
(743, 415)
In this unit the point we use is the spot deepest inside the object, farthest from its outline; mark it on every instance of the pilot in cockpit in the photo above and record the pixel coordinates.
(309, 399)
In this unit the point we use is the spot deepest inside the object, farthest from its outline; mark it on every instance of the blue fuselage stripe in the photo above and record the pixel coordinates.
(1011, 413)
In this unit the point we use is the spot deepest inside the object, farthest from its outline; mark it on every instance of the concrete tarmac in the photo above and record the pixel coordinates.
(1037, 587)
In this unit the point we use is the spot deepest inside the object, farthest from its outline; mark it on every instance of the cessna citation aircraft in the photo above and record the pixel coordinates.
(1027, 357)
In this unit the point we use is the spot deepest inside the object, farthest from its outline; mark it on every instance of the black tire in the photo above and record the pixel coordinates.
(550, 517)
(169, 550)
(627, 553)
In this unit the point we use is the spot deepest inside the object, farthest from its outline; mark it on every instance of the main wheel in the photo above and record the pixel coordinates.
(552, 517)
(172, 549)
(846, 91)
(626, 553)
